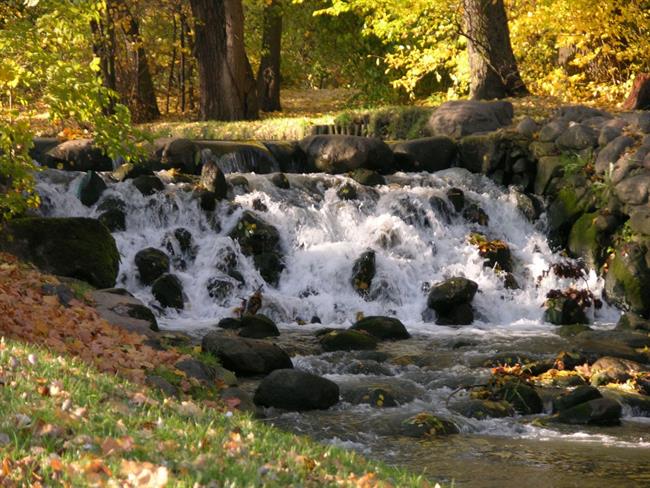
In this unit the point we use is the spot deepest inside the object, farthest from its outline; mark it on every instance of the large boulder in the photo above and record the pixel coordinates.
(246, 357)
(120, 308)
(451, 299)
(610, 369)
(114, 219)
(523, 397)
(261, 241)
(600, 411)
(148, 184)
(579, 113)
(587, 240)
(426, 424)
(38, 152)
(90, 188)
(336, 154)
(213, 180)
(564, 310)
(152, 263)
(291, 389)
(178, 153)
(483, 409)
(258, 327)
(383, 328)
(628, 278)
(427, 154)
(577, 137)
(634, 189)
(612, 152)
(575, 397)
(78, 155)
(168, 290)
(347, 340)
(459, 118)
(289, 156)
(77, 247)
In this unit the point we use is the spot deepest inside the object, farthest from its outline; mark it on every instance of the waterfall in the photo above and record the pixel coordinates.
(416, 244)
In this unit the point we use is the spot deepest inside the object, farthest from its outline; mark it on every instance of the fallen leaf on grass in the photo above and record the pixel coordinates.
(115, 446)
(143, 474)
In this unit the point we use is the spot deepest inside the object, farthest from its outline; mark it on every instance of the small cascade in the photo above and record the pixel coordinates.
(320, 225)
(417, 238)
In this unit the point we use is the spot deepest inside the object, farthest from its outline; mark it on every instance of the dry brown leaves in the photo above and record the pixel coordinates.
(26, 314)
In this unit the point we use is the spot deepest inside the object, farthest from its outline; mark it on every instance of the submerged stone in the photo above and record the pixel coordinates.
(292, 389)
(383, 328)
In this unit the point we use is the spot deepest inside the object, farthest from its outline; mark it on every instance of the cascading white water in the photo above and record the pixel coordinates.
(322, 235)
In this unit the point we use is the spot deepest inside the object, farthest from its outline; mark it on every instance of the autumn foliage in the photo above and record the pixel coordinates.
(26, 313)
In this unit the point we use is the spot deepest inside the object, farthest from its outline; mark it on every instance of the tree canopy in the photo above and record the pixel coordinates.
(91, 66)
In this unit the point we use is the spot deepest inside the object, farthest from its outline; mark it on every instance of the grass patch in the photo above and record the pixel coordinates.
(63, 422)
(271, 129)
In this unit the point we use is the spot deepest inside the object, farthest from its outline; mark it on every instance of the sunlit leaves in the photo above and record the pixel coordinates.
(48, 64)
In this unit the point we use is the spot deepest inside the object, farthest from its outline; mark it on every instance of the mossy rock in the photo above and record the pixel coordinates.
(254, 235)
(448, 294)
(632, 321)
(523, 397)
(114, 220)
(168, 290)
(148, 184)
(483, 409)
(377, 397)
(600, 411)
(426, 424)
(367, 177)
(280, 180)
(382, 327)
(258, 327)
(152, 263)
(495, 252)
(566, 207)
(628, 279)
(572, 330)
(575, 397)
(261, 241)
(564, 311)
(142, 312)
(363, 272)
(76, 247)
(586, 241)
(347, 191)
(347, 340)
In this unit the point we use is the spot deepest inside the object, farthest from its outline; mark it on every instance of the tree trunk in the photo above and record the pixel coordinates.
(639, 97)
(268, 75)
(104, 48)
(227, 87)
(142, 99)
(493, 68)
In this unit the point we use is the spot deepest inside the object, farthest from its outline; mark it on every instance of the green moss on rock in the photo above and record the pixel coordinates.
(76, 247)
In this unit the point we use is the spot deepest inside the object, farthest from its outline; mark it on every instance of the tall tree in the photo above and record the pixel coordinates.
(493, 68)
(141, 95)
(268, 74)
(103, 37)
(227, 86)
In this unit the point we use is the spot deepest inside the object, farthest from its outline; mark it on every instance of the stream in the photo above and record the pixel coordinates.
(417, 243)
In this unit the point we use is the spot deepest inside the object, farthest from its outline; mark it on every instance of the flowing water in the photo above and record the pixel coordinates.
(416, 244)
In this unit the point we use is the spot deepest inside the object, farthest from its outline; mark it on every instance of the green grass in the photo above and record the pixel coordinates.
(271, 129)
(62, 422)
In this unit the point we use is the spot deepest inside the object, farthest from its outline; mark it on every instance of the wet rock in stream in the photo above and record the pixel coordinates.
(292, 389)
